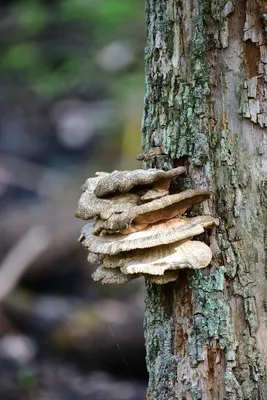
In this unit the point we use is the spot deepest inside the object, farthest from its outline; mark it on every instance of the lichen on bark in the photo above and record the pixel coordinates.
(161, 362)
(206, 334)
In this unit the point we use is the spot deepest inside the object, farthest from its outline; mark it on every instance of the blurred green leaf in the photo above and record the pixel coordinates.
(103, 11)
(27, 379)
(20, 56)
(54, 68)
(76, 9)
(31, 16)
(50, 84)
(113, 10)
(129, 86)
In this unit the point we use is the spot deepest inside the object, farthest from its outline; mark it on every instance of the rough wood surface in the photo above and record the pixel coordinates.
(206, 107)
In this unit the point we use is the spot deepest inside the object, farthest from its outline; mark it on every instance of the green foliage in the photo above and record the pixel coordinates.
(31, 17)
(128, 85)
(53, 46)
(21, 56)
(76, 10)
(27, 379)
(113, 11)
(100, 11)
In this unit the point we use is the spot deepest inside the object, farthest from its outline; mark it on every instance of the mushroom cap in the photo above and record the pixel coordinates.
(157, 260)
(115, 276)
(95, 259)
(91, 183)
(137, 228)
(112, 276)
(171, 231)
(160, 209)
(90, 206)
(124, 181)
(87, 198)
(169, 206)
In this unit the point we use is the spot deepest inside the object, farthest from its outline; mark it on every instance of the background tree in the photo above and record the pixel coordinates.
(205, 106)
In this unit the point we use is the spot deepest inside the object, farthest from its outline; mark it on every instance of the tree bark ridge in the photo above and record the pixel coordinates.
(206, 105)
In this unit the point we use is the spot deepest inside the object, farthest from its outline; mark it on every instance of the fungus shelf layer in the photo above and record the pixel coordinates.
(138, 228)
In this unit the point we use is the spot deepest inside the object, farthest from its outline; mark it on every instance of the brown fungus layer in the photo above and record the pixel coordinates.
(137, 217)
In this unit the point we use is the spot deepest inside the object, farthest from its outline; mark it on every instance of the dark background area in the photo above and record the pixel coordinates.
(71, 96)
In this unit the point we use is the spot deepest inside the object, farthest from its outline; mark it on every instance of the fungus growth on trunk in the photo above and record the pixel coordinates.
(138, 228)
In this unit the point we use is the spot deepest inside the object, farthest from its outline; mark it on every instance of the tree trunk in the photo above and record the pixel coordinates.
(206, 107)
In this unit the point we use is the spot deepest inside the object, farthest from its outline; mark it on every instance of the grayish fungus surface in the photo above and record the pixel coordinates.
(138, 229)
(106, 275)
(155, 261)
(90, 206)
(122, 211)
(173, 230)
(95, 259)
(153, 194)
(169, 276)
(124, 181)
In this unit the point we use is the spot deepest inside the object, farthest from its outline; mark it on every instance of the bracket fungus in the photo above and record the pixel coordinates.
(138, 228)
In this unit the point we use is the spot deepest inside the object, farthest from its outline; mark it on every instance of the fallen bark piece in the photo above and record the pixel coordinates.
(124, 181)
(171, 231)
(111, 276)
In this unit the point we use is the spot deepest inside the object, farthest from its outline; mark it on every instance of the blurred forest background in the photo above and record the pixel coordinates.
(72, 84)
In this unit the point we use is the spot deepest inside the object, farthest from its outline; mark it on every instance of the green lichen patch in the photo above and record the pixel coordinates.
(161, 363)
(211, 313)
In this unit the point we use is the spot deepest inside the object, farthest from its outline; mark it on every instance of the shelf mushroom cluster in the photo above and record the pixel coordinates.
(137, 227)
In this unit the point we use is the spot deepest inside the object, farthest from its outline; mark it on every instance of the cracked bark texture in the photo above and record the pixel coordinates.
(206, 107)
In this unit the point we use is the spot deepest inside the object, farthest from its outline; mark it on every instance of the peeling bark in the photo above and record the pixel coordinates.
(206, 107)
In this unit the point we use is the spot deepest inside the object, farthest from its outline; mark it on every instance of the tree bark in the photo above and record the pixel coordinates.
(206, 107)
